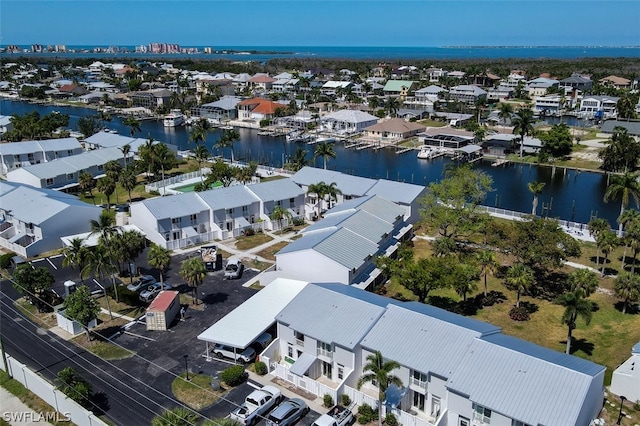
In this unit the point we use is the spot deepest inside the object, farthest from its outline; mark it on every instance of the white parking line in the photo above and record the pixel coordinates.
(36, 260)
(51, 263)
(55, 257)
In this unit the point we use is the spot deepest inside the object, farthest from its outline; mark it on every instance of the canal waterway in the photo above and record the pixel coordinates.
(568, 194)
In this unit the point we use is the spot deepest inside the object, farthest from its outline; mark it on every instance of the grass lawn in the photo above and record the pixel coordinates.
(197, 392)
(103, 349)
(43, 319)
(121, 307)
(432, 123)
(245, 243)
(270, 252)
(187, 299)
(27, 397)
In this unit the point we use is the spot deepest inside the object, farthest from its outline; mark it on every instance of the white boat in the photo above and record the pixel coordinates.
(174, 118)
(429, 152)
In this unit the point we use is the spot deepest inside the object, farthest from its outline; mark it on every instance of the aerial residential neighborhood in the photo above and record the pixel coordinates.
(193, 229)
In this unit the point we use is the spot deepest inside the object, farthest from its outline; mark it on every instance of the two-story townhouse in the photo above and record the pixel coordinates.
(467, 93)
(282, 193)
(548, 105)
(63, 173)
(169, 220)
(20, 154)
(318, 338)
(232, 207)
(32, 220)
(599, 106)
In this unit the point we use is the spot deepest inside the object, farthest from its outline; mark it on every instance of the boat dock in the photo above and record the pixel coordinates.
(499, 162)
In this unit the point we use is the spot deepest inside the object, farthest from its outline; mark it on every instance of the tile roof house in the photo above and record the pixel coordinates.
(257, 109)
(341, 246)
(455, 370)
(32, 220)
(263, 82)
(615, 81)
(20, 154)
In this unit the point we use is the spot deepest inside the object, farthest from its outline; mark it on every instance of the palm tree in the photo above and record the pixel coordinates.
(105, 227)
(583, 280)
(391, 105)
(523, 125)
(607, 241)
(505, 110)
(228, 139)
(197, 135)
(75, 256)
(113, 170)
(201, 154)
(320, 189)
(624, 187)
(627, 287)
(128, 180)
(86, 183)
(163, 157)
(99, 264)
(596, 227)
(324, 150)
(146, 154)
(179, 416)
(298, 160)
(278, 213)
(106, 185)
(159, 258)
(488, 265)
(193, 272)
(125, 149)
(536, 189)
(332, 191)
(630, 219)
(378, 371)
(575, 306)
(133, 124)
(519, 278)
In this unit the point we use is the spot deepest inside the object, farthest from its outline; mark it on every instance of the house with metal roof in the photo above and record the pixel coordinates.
(446, 139)
(599, 106)
(62, 173)
(467, 93)
(32, 220)
(632, 126)
(342, 246)
(400, 88)
(22, 154)
(224, 108)
(455, 370)
(347, 121)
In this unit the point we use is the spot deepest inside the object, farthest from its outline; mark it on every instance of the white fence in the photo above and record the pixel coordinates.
(359, 398)
(304, 382)
(156, 186)
(66, 407)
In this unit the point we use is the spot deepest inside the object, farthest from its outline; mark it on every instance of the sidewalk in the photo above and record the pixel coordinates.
(16, 412)
(315, 404)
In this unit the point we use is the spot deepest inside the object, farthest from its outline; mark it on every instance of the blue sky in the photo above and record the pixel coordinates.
(321, 23)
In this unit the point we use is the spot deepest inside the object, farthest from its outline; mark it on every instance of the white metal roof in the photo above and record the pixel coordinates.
(244, 324)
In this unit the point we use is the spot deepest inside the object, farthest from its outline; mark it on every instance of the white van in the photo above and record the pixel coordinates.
(233, 269)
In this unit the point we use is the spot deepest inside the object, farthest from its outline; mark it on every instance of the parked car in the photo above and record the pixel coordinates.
(141, 283)
(152, 291)
(233, 269)
(288, 412)
(262, 341)
(256, 404)
(244, 356)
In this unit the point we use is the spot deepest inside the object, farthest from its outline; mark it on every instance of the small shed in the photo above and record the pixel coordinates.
(163, 310)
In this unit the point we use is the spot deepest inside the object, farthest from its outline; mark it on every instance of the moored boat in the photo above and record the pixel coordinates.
(174, 118)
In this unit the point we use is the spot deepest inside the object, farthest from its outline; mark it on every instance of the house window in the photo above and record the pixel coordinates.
(30, 157)
(69, 152)
(49, 181)
(419, 379)
(279, 203)
(299, 338)
(193, 217)
(463, 421)
(340, 371)
(100, 167)
(245, 209)
(292, 202)
(324, 349)
(482, 414)
(435, 406)
(229, 212)
(519, 423)
(69, 176)
(327, 369)
(175, 221)
(290, 351)
(418, 401)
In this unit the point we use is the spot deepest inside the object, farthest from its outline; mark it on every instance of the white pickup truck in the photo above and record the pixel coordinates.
(337, 416)
(256, 404)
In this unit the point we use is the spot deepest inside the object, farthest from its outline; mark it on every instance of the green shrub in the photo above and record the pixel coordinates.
(298, 221)
(5, 260)
(345, 400)
(247, 232)
(519, 314)
(366, 414)
(261, 368)
(233, 375)
(362, 420)
(328, 400)
(390, 419)
(126, 296)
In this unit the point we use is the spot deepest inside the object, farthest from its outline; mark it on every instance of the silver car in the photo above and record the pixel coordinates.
(288, 412)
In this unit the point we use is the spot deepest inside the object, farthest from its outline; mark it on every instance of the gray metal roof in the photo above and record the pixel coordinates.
(633, 127)
(228, 197)
(47, 145)
(33, 205)
(517, 376)
(308, 241)
(347, 248)
(349, 185)
(398, 192)
(179, 205)
(373, 204)
(361, 222)
(226, 103)
(422, 342)
(329, 316)
(73, 164)
(279, 189)
(107, 140)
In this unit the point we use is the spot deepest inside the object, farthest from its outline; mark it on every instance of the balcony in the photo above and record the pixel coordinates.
(418, 383)
(300, 342)
(325, 353)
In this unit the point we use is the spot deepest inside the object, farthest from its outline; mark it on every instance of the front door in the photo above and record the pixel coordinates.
(418, 401)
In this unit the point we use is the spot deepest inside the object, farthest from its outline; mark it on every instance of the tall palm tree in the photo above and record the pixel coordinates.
(278, 213)
(197, 134)
(75, 256)
(624, 187)
(627, 287)
(523, 125)
(105, 226)
(146, 154)
(133, 124)
(332, 191)
(201, 154)
(378, 371)
(125, 149)
(630, 219)
(536, 189)
(607, 241)
(320, 190)
(106, 185)
(596, 227)
(519, 278)
(228, 140)
(128, 180)
(575, 306)
(488, 265)
(391, 105)
(193, 271)
(324, 150)
(159, 258)
(113, 170)
(583, 280)
(99, 264)
(163, 157)
(505, 111)
(86, 183)
(298, 160)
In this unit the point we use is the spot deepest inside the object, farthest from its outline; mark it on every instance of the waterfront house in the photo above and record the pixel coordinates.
(577, 81)
(440, 354)
(400, 88)
(152, 98)
(5, 124)
(499, 93)
(62, 173)
(21, 154)
(32, 220)
(342, 246)
(225, 108)
(599, 106)
(446, 139)
(347, 121)
(539, 86)
(261, 82)
(615, 82)
(467, 93)
(392, 131)
(257, 109)
(548, 105)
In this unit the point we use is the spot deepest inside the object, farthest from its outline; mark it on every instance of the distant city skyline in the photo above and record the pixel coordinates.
(321, 23)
